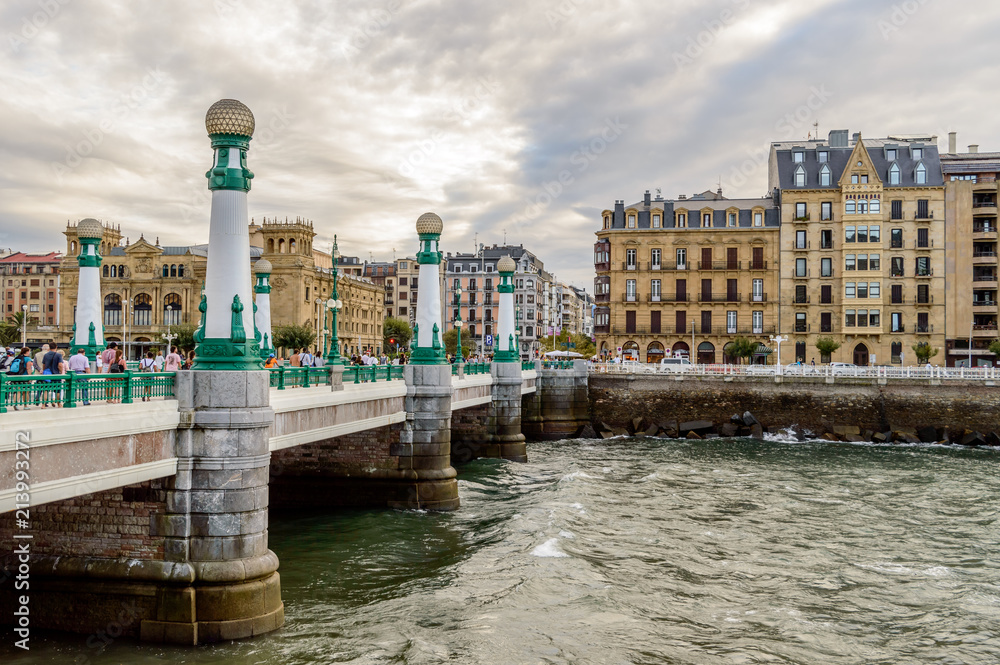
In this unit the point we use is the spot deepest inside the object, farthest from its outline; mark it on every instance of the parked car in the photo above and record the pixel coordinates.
(761, 370)
(800, 369)
(675, 365)
(637, 367)
(843, 369)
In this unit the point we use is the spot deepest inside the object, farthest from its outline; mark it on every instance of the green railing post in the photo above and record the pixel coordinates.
(357, 375)
(281, 377)
(3, 393)
(127, 397)
(305, 380)
(69, 401)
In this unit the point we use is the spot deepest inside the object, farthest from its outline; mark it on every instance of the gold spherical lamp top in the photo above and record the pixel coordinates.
(89, 228)
(429, 223)
(262, 267)
(229, 116)
(506, 264)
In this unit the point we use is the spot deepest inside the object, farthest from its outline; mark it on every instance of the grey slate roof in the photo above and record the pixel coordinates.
(694, 206)
(977, 162)
(838, 158)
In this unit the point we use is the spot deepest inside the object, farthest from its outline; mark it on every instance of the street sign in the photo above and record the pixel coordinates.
(489, 340)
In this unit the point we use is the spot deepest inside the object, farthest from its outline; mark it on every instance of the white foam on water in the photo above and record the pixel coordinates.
(575, 475)
(549, 549)
(899, 569)
(566, 534)
(652, 476)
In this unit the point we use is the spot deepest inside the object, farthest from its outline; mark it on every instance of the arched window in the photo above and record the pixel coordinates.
(105, 271)
(630, 351)
(281, 246)
(166, 270)
(72, 247)
(172, 310)
(921, 174)
(291, 246)
(654, 353)
(825, 177)
(850, 206)
(114, 271)
(862, 207)
(173, 270)
(894, 174)
(180, 270)
(112, 310)
(142, 310)
(270, 245)
(874, 206)
(896, 350)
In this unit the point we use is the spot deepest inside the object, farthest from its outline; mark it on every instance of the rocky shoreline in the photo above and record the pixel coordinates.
(747, 425)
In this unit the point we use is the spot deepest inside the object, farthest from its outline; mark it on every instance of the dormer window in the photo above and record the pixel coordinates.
(822, 156)
(855, 179)
(798, 157)
(890, 154)
(918, 153)
(894, 174)
(731, 220)
(706, 220)
(681, 220)
(800, 176)
(825, 176)
(920, 175)
(656, 221)
(607, 222)
(631, 221)
(758, 219)
(864, 178)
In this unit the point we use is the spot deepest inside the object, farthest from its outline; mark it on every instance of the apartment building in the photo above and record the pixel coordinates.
(31, 285)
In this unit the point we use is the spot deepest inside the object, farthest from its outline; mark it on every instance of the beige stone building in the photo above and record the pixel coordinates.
(862, 246)
(685, 277)
(971, 269)
(146, 287)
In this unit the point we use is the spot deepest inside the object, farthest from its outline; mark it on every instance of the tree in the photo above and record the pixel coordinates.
(396, 333)
(294, 336)
(451, 341)
(743, 348)
(995, 347)
(184, 336)
(16, 319)
(924, 352)
(9, 334)
(583, 344)
(826, 346)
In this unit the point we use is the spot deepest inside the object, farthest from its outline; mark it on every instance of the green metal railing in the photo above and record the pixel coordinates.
(527, 365)
(299, 377)
(557, 364)
(71, 389)
(360, 374)
(477, 368)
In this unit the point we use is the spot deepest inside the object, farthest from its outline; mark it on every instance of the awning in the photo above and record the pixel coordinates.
(763, 350)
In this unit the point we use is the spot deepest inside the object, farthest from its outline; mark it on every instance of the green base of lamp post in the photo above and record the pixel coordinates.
(224, 354)
(506, 357)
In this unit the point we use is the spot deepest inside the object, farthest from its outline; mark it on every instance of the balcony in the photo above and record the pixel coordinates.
(802, 300)
(631, 297)
(803, 218)
(668, 297)
(925, 273)
(758, 297)
(923, 329)
(984, 257)
(984, 306)
(664, 265)
(602, 267)
(826, 245)
(647, 331)
(602, 330)
(720, 265)
(758, 265)
(801, 246)
(729, 297)
(985, 330)
(984, 232)
(985, 281)
(986, 207)
(602, 297)
(629, 266)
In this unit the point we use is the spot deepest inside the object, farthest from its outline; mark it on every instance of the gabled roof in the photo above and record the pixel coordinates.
(839, 160)
(21, 257)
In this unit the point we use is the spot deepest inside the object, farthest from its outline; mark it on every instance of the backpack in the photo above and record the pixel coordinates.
(17, 366)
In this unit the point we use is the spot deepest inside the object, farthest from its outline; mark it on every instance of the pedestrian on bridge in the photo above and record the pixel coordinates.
(81, 365)
(173, 360)
(108, 357)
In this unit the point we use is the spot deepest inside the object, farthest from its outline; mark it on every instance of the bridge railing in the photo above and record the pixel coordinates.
(813, 371)
(361, 374)
(557, 364)
(71, 389)
(527, 365)
(298, 377)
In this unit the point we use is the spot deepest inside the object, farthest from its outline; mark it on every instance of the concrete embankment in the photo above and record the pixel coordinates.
(847, 409)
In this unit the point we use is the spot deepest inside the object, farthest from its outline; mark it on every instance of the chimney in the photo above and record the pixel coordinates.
(838, 138)
(952, 142)
(973, 148)
(857, 136)
(681, 197)
(645, 199)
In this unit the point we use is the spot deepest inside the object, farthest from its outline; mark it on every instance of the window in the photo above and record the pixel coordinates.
(874, 234)
(896, 294)
(874, 206)
(822, 156)
(800, 322)
(874, 262)
(800, 210)
(757, 294)
(731, 219)
(890, 154)
(850, 234)
(918, 153)
(630, 295)
(826, 296)
(896, 322)
(862, 207)
(758, 322)
(862, 234)
(874, 289)
(654, 290)
(826, 239)
(894, 174)
(850, 318)
(706, 220)
(800, 240)
(166, 271)
(800, 268)
(630, 259)
(849, 289)
(923, 238)
(455, 285)
(896, 266)
(862, 262)
(864, 178)
(681, 258)
(731, 323)
(825, 325)
(631, 221)
(826, 211)
(921, 174)
(800, 293)
(142, 311)
(681, 220)
(33, 308)
(850, 262)
(798, 157)
(896, 238)
(758, 219)
(458, 268)
(656, 221)
(854, 178)
(850, 207)
(862, 289)
(825, 176)
(923, 266)
(800, 176)
(896, 353)
(826, 267)
(922, 209)
(654, 256)
(923, 294)
(172, 310)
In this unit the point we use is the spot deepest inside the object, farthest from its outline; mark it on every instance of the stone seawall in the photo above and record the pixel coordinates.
(807, 404)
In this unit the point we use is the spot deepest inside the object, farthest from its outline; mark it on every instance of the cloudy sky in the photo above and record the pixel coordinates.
(524, 117)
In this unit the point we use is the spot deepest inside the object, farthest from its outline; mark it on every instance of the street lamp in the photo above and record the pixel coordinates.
(458, 323)
(778, 340)
(24, 325)
(169, 337)
(517, 327)
(333, 350)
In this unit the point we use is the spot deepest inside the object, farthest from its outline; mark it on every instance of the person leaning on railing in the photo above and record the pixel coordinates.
(21, 366)
(147, 364)
(117, 367)
(81, 365)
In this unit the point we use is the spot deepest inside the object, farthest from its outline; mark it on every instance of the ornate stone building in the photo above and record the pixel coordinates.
(685, 277)
(146, 288)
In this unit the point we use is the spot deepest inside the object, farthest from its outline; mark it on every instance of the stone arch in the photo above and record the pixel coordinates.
(630, 350)
(706, 353)
(654, 352)
(861, 355)
(681, 349)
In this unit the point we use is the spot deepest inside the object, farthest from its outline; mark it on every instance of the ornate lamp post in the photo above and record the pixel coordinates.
(334, 305)
(88, 326)
(227, 338)
(262, 306)
(458, 324)
(24, 325)
(427, 346)
(506, 353)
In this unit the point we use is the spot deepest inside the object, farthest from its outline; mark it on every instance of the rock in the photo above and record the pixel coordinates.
(993, 439)
(749, 420)
(973, 439)
(774, 430)
(586, 432)
(800, 435)
(881, 437)
(652, 430)
(620, 431)
(728, 430)
(756, 431)
(693, 435)
(603, 427)
(736, 419)
(637, 425)
(744, 431)
(699, 426)
(855, 438)
(845, 430)
(830, 436)
(904, 437)
(867, 435)
(928, 434)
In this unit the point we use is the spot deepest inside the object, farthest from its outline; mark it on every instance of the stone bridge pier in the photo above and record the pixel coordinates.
(560, 406)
